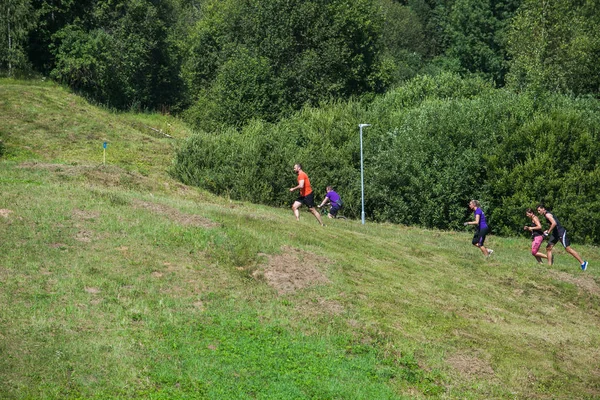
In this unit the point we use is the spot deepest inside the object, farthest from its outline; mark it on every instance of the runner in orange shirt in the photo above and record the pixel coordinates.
(307, 196)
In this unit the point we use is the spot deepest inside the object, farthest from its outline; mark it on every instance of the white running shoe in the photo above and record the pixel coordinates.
(490, 251)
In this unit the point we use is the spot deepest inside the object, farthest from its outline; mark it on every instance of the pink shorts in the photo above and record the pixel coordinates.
(536, 243)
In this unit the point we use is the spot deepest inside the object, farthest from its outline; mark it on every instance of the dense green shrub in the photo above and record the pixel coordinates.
(435, 144)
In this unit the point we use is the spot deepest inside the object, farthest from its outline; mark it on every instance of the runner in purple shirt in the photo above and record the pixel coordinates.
(335, 200)
(482, 228)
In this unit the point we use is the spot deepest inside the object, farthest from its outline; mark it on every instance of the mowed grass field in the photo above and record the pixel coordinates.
(116, 281)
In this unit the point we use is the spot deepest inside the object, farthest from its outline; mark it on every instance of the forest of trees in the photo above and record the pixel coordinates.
(225, 62)
(494, 99)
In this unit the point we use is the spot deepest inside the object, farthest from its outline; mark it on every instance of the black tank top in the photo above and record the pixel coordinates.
(536, 232)
(559, 228)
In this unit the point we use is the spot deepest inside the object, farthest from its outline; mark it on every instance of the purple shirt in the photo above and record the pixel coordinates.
(333, 197)
(482, 221)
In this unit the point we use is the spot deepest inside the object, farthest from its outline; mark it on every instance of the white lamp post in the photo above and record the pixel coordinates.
(362, 175)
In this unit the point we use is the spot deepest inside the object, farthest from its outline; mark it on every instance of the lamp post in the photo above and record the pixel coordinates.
(362, 175)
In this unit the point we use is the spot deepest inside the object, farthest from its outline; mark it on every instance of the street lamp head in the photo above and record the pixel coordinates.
(363, 125)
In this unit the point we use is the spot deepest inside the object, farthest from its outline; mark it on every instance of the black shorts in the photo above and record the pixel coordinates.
(559, 236)
(480, 235)
(308, 200)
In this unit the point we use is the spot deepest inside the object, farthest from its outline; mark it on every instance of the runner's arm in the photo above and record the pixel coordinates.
(300, 185)
(476, 222)
(325, 200)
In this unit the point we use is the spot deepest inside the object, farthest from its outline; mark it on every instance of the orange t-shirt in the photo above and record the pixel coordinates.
(306, 190)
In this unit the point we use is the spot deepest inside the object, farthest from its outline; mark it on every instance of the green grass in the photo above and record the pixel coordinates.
(118, 282)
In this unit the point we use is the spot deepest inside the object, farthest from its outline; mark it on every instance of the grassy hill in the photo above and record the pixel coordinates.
(118, 282)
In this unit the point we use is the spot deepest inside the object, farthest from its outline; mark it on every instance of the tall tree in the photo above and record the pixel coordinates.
(15, 23)
(555, 46)
(312, 49)
(52, 16)
(403, 38)
(476, 31)
(122, 55)
(467, 36)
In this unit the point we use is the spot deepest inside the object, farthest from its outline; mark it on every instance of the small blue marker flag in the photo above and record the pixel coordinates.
(104, 145)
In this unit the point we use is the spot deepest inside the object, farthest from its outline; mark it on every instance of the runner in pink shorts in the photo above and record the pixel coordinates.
(537, 235)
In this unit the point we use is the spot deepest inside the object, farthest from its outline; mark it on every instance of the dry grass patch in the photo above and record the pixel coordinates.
(293, 270)
(105, 175)
(199, 305)
(175, 215)
(319, 307)
(84, 236)
(583, 282)
(85, 214)
(471, 366)
(64, 169)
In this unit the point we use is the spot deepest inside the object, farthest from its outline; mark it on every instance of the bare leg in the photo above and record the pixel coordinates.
(549, 254)
(295, 208)
(483, 249)
(538, 256)
(316, 214)
(574, 254)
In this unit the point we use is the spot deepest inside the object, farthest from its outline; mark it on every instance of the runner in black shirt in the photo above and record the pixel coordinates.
(557, 233)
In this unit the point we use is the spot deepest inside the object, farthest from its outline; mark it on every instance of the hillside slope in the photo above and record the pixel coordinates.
(118, 282)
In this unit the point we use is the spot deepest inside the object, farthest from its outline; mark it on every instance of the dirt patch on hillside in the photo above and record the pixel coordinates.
(92, 290)
(84, 214)
(5, 213)
(320, 306)
(471, 366)
(584, 282)
(293, 270)
(175, 215)
(84, 235)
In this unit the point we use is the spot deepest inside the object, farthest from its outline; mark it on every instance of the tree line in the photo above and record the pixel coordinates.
(226, 62)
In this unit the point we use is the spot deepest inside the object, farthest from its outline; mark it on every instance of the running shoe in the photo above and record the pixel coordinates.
(490, 251)
(584, 266)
